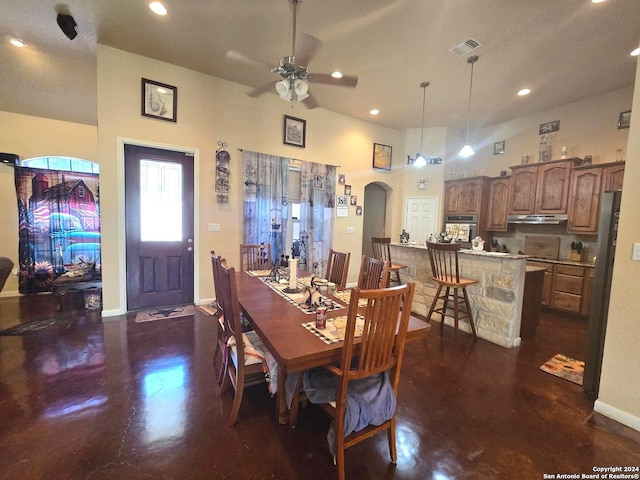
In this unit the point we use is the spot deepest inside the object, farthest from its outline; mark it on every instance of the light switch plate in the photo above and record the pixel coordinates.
(636, 252)
(214, 227)
(351, 230)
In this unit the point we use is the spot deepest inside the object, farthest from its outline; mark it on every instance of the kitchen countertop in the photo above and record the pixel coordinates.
(562, 262)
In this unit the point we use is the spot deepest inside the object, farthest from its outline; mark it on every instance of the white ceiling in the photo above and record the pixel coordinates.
(564, 50)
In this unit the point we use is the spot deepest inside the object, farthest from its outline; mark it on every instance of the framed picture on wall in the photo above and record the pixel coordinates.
(159, 100)
(381, 156)
(498, 148)
(624, 120)
(295, 131)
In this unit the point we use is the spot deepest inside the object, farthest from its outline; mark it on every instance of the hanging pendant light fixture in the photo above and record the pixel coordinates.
(420, 161)
(467, 150)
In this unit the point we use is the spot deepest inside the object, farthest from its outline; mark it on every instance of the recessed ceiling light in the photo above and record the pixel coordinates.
(336, 75)
(636, 52)
(16, 42)
(597, 1)
(374, 111)
(524, 91)
(158, 8)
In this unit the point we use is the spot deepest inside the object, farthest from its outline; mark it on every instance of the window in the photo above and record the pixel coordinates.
(68, 164)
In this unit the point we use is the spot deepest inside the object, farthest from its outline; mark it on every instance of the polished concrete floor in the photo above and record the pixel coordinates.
(87, 399)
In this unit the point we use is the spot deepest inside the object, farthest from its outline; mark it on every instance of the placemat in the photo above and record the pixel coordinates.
(259, 273)
(334, 332)
(345, 296)
(297, 298)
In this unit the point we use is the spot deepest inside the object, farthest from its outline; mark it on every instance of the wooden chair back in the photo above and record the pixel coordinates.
(381, 349)
(216, 282)
(381, 249)
(444, 262)
(255, 257)
(374, 273)
(338, 267)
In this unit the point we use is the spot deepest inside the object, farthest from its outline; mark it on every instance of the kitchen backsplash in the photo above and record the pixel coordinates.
(514, 239)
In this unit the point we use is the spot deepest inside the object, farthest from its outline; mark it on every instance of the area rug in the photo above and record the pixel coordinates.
(164, 313)
(29, 327)
(206, 309)
(565, 367)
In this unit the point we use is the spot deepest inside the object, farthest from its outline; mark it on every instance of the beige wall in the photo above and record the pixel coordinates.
(212, 110)
(31, 137)
(620, 382)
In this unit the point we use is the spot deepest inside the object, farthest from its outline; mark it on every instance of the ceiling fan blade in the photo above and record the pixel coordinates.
(308, 46)
(310, 102)
(267, 87)
(326, 78)
(247, 60)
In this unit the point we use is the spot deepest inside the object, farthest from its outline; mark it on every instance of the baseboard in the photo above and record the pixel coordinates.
(618, 415)
(112, 313)
(11, 293)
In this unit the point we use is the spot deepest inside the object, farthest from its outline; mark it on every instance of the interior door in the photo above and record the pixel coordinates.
(420, 218)
(159, 227)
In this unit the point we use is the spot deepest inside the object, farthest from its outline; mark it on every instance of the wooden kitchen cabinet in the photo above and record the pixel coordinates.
(522, 190)
(498, 204)
(548, 280)
(568, 286)
(613, 176)
(584, 201)
(541, 189)
(465, 196)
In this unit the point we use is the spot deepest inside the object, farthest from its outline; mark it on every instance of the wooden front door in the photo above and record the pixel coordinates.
(159, 227)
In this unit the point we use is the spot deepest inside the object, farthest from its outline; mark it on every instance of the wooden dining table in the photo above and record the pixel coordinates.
(278, 322)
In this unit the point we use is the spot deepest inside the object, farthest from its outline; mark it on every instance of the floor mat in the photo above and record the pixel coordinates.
(164, 313)
(29, 327)
(564, 367)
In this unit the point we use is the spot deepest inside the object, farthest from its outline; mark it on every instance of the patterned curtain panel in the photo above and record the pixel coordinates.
(265, 210)
(59, 224)
(318, 193)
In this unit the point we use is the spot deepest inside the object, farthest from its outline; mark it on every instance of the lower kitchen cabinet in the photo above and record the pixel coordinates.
(566, 287)
(548, 280)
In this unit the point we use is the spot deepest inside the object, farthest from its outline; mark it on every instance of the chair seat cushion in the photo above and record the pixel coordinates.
(255, 352)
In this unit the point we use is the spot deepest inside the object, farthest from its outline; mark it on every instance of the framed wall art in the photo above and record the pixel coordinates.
(381, 156)
(295, 131)
(159, 100)
(498, 148)
(549, 127)
(624, 120)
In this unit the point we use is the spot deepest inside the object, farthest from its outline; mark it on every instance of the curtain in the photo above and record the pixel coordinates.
(318, 193)
(59, 224)
(265, 208)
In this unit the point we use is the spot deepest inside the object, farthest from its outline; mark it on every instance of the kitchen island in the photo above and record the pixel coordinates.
(496, 301)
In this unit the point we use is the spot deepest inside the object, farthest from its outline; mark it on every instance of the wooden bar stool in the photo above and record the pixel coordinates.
(381, 251)
(445, 271)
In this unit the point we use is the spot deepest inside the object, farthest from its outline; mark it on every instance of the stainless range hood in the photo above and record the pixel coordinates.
(538, 219)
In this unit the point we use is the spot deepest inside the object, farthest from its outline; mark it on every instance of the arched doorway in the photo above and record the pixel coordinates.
(374, 221)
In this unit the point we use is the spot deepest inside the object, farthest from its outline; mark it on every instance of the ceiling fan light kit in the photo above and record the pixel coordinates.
(295, 76)
(467, 150)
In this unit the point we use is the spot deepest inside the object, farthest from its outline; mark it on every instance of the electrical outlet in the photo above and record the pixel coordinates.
(636, 252)
(214, 227)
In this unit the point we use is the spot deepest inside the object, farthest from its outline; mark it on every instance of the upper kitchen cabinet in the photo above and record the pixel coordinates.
(541, 189)
(587, 186)
(498, 204)
(465, 196)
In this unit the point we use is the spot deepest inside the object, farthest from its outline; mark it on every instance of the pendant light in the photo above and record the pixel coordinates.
(467, 150)
(420, 161)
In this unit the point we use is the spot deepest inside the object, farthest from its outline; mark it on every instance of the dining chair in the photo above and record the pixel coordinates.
(374, 273)
(255, 257)
(381, 251)
(370, 361)
(337, 267)
(446, 272)
(246, 359)
(217, 304)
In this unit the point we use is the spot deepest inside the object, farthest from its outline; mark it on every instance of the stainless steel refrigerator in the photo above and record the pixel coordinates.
(597, 327)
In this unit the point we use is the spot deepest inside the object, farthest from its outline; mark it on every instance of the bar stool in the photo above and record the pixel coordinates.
(445, 271)
(381, 251)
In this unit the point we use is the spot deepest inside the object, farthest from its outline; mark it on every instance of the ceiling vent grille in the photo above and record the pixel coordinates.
(469, 45)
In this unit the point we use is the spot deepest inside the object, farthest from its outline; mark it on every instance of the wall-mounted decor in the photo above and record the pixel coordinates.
(498, 148)
(381, 156)
(159, 100)
(625, 119)
(347, 189)
(358, 210)
(222, 173)
(295, 131)
(342, 179)
(549, 127)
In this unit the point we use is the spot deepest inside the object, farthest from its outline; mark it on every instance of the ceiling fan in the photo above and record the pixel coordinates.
(293, 70)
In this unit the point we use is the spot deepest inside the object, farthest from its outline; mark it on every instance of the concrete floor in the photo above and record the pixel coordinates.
(86, 399)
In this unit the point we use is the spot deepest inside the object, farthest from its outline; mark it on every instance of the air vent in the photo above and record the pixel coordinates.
(469, 45)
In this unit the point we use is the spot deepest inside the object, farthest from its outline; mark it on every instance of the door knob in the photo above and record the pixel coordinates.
(189, 240)
(189, 249)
